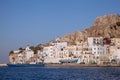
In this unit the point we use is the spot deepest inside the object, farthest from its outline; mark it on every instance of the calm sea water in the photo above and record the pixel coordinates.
(82, 73)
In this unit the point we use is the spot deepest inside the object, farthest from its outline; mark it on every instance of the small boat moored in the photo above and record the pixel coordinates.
(26, 65)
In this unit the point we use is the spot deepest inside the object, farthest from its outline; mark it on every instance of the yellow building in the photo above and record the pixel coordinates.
(115, 41)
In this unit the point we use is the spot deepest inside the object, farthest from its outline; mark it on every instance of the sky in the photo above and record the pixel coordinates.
(33, 22)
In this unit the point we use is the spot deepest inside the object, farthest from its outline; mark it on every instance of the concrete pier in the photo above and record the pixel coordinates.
(3, 65)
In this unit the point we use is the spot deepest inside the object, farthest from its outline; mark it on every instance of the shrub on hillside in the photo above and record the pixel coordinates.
(118, 23)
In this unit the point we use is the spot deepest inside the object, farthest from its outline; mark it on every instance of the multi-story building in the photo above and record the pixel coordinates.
(95, 41)
(20, 58)
(96, 45)
(115, 54)
(92, 51)
(98, 49)
(49, 53)
(55, 51)
(64, 53)
(29, 53)
(115, 41)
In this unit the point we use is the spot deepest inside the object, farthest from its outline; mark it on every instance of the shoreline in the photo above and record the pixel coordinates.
(3, 65)
(74, 65)
(81, 65)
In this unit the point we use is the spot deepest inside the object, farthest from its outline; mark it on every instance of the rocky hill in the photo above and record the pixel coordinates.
(106, 26)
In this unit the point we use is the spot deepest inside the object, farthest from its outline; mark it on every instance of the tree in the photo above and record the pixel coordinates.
(11, 52)
(118, 23)
(21, 48)
(32, 48)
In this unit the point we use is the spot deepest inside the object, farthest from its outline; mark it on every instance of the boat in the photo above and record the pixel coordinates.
(74, 60)
(26, 65)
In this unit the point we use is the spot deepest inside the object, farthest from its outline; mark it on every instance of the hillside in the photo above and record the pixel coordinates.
(105, 26)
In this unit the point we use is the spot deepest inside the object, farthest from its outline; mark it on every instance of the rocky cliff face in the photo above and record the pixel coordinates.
(75, 37)
(105, 26)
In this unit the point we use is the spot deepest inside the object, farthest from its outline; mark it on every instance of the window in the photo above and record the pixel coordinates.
(77, 49)
(61, 49)
(97, 57)
(118, 47)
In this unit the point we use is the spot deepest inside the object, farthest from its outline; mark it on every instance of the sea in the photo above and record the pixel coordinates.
(59, 73)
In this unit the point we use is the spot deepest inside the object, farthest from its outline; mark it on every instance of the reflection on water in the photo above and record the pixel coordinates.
(82, 73)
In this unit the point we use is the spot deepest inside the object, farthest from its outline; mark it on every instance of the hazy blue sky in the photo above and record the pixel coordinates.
(24, 22)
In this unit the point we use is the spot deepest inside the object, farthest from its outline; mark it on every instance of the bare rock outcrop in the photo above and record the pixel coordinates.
(75, 37)
(104, 26)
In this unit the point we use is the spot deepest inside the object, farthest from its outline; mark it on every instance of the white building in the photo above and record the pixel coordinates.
(54, 52)
(49, 54)
(29, 53)
(96, 45)
(86, 49)
(20, 58)
(98, 49)
(48, 51)
(116, 54)
(63, 53)
(115, 41)
(16, 51)
(95, 41)
(58, 48)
